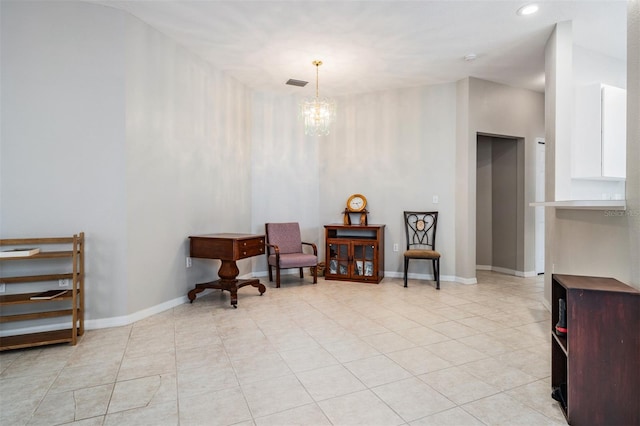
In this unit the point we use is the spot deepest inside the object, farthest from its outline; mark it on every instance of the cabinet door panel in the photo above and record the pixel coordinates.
(338, 258)
(364, 255)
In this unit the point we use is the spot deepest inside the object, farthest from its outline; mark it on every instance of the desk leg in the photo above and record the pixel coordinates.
(199, 287)
(227, 273)
(228, 270)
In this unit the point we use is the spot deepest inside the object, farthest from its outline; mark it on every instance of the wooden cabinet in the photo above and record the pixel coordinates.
(354, 253)
(64, 254)
(596, 366)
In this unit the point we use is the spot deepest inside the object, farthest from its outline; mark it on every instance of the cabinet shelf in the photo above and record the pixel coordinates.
(69, 304)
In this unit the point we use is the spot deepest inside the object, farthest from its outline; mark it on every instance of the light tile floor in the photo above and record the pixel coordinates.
(335, 353)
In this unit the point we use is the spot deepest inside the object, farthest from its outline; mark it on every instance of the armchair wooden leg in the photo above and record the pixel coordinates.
(406, 267)
(301, 273)
(277, 277)
(270, 273)
(436, 272)
(315, 274)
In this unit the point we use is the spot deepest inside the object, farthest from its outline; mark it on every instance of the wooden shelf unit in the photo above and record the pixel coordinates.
(354, 253)
(597, 364)
(70, 304)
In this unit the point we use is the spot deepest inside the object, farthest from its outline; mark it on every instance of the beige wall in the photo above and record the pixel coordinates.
(119, 132)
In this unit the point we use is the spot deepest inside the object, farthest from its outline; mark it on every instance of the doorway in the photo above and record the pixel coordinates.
(500, 204)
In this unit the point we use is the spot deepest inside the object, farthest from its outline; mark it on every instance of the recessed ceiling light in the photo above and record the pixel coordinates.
(527, 9)
(470, 57)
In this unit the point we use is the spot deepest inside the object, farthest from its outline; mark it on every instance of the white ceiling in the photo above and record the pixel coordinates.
(377, 45)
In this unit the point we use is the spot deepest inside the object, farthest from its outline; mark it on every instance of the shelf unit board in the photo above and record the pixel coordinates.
(562, 341)
(28, 241)
(36, 315)
(36, 339)
(23, 298)
(43, 255)
(35, 278)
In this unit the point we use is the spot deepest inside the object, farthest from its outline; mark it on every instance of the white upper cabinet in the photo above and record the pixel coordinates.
(599, 133)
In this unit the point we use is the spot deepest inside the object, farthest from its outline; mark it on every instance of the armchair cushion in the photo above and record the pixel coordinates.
(294, 260)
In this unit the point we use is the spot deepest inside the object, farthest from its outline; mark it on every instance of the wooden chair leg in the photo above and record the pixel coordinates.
(315, 274)
(270, 274)
(436, 272)
(277, 276)
(301, 273)
(406, 267)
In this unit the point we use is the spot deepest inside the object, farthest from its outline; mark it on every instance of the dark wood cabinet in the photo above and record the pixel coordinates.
(596, 366)
(354, 253)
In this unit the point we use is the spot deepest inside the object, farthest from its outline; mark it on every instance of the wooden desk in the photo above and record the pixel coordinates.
(228, 248)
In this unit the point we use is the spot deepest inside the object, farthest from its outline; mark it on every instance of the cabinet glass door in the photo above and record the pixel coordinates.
(339, 259)
(364, 259)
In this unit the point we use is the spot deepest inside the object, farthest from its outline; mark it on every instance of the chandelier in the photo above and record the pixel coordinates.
(317, 113)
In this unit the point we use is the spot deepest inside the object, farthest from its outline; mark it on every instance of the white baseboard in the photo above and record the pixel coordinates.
(136, 316)
(101, 323)
(522, 274)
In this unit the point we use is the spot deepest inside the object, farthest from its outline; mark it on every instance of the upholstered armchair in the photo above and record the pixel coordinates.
(285, 250)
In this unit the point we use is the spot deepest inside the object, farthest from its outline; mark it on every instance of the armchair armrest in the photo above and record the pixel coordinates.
(315, 249)
(275, 248)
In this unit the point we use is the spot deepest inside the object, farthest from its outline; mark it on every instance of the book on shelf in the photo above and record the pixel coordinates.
(19, 252)
(48, 295)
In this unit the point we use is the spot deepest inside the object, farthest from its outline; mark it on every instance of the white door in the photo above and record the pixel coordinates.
(539, 214)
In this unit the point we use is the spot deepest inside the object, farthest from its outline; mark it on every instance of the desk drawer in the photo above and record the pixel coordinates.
(250, 247)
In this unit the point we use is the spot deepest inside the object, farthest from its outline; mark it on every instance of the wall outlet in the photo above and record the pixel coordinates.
(2, 289)
(63, 283)
(395, 247)
(188, 262)
(435, 199)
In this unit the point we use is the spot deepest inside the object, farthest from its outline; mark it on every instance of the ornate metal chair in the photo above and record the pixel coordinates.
(284, 250)
(420, 228)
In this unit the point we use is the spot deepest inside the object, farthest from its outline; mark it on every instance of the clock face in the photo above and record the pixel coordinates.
(356, 203)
